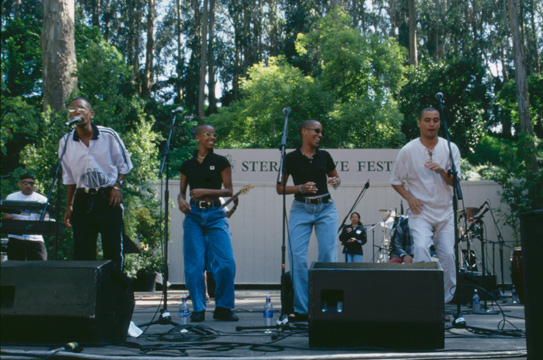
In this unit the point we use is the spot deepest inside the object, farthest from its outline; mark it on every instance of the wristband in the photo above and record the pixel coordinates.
(300, 188)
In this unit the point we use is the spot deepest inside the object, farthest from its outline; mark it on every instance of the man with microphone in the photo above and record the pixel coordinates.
(95, 163)
(421, 176)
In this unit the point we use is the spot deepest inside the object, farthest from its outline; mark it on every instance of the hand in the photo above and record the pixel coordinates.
(184, 206)
(230, 212)
(408, 259)
(434, 167)
(115, 197)
(67, 215)
(197, 193)
(351, 240)
(349, 229)
(415, 205)
(334, 181)
(309, 188)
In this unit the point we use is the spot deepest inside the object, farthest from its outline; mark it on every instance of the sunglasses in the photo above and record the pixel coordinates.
(78, 108)
(317, 130)
(210, 134)
(31, 183)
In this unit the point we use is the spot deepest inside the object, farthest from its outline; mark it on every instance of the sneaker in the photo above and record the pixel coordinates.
(198, 316)
(224, 314)
(297, 317)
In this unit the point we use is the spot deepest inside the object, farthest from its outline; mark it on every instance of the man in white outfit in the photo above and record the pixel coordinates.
(421, 176)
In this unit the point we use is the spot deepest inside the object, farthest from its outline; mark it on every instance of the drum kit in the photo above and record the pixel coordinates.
(388, 224)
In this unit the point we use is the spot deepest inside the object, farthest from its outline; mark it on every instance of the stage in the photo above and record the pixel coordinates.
(213, 339)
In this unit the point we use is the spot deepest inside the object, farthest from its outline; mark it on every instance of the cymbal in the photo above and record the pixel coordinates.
(385, 211)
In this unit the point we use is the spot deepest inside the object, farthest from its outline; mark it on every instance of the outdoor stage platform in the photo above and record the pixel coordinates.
(211, 339)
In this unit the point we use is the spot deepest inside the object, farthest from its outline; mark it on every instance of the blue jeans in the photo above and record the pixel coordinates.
(194, 247)
(302, 219)
(352, 258)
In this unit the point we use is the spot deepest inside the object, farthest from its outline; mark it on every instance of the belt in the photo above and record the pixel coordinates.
(206, 204)
(93, 191)
(317, 201)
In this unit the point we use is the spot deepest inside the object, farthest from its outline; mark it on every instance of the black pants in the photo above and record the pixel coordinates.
(26, 250)
(92, 215)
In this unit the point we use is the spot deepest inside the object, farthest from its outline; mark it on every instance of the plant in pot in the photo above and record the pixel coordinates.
(143, 266)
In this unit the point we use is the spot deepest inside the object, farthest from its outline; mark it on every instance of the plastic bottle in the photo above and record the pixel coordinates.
(268, 314)
(340, 306)
(476, 302)
(184, 312)
(514, 295)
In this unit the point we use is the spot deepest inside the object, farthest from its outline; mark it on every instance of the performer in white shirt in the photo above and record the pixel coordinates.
(29, 246)
(95, 165)
(421, 177)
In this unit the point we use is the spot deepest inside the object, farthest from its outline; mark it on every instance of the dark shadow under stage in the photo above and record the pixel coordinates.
(213, 339)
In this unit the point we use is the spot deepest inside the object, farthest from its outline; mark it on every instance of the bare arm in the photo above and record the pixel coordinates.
(439, 170)
(309, 187)
(70, 192)
(183, 204)
(208, 194)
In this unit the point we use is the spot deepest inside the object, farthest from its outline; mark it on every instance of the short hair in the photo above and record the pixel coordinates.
(83, 99)
(306, 123)
(27, 176)
(427, 109)
(200, 129)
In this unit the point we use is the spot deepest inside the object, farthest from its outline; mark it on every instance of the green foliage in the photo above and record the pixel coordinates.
(466, 99)
(350, 92)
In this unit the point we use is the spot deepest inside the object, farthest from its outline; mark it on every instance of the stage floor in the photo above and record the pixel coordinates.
(225, 341)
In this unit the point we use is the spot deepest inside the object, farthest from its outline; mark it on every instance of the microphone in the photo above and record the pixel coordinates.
(75, 120)
(177, 110)
(286, 111)
(439, 96)
(367, 184)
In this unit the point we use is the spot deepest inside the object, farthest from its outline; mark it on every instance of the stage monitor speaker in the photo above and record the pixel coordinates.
(531, 232)
(468, 281)
(386, 305)
(62, 301)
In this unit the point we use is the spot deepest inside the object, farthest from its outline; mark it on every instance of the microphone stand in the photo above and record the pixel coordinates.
(286, 304)
(55, 177)
(501, 244)
(165, 316)
(459, 320)
(362, 193)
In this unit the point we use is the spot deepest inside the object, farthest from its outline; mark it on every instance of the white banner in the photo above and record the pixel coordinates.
(354, 166)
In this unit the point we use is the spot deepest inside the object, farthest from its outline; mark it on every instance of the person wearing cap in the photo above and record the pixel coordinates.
(312, 171)
(28, 246)
(95, 163)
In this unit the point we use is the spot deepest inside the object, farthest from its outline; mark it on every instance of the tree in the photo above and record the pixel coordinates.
(203, 65)
(58, 49)
(148, 75)
(413, 60)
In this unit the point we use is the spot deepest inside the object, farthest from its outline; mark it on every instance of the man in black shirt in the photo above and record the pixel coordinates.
(312, 171)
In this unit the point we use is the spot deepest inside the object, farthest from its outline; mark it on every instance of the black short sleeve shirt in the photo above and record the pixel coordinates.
(304, 169)
(206, 175)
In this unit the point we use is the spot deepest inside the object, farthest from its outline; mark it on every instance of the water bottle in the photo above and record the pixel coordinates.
(268, 314)
(476, 302)
(184, 312)
(514, 295)
(339, 306)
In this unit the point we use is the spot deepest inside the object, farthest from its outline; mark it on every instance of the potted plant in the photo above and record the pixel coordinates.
(143, 267)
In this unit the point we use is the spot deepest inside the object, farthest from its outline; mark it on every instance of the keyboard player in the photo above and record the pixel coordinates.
(28, 246)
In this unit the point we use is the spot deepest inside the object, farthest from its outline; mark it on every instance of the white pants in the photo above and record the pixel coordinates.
(441, 234)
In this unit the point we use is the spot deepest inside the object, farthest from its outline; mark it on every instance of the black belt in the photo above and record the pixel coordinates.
(206, 204)
(93, 191)
(318, 201)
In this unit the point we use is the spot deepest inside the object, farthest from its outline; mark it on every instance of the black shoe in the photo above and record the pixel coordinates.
(198, 316)
(224, 314)
(297, 317)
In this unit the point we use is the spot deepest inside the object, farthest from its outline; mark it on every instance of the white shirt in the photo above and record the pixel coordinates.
(423, 183)
(26, 215)
(97, 165)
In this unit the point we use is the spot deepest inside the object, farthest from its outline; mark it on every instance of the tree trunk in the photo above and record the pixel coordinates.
(274, 33)
(520, 79)
(148, 75)
(413, 59)
(211, 63)
(179, 89)
(58, 48)
(107, 20)
(203, 67)
(96, 13)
